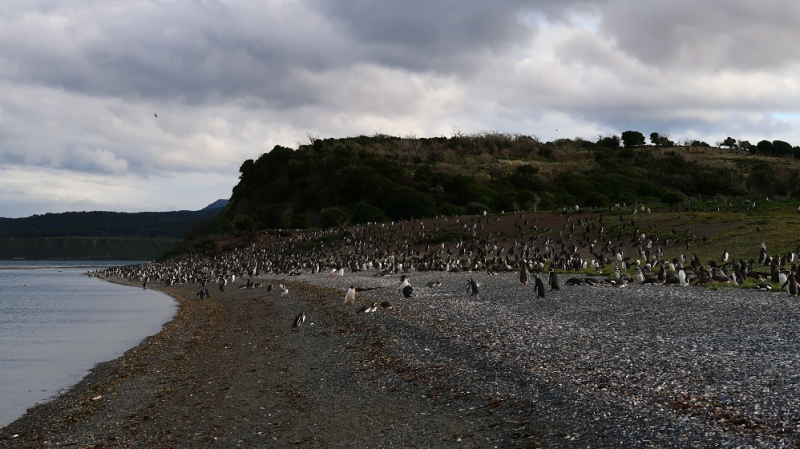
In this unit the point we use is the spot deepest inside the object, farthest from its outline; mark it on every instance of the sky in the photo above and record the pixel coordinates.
(82, 82)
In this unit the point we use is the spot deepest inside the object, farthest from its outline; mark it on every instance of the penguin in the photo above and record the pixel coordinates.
(350, 296)
(407, 290)
(552, 280)
(523, 273)
(472, 286)
(300, 319)
(662, 275)
(791, 282)
(368, 308)
(284, 292)
(782, 277)
(538, 287)
(725, 256)
(404, 282)
(387, 305)
(682, 278)
(764, 287)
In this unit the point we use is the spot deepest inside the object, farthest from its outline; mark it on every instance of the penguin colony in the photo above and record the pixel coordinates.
(398, 249)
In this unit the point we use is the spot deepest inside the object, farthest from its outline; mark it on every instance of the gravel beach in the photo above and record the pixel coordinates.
(585, 366)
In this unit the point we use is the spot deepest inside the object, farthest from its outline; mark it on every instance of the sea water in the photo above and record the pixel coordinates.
(56, 323)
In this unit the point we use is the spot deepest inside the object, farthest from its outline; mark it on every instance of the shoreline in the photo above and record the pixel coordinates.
(162, 392)
(642, 367)
(57, 324)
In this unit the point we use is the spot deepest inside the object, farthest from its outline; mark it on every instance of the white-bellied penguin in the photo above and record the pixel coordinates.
(350, 296)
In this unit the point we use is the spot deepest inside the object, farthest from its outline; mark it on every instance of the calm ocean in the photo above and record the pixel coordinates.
(56, 324)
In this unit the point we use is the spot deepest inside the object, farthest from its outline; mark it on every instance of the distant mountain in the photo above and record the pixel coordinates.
(101, 235)
(219, 204)
(105, 224)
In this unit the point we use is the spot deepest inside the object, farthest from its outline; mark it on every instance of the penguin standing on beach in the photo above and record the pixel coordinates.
(472, 286)
(350, 296)
(552, 280)
(407, 290)
(300, 319)
(538, 286)
(524, 273)
(404, 282)
(791, 283)
(682, 279)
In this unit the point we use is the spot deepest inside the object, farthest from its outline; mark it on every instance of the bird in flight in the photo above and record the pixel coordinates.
(156, 115)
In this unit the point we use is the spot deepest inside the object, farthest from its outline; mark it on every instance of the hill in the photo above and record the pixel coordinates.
(406, 197)
(336, 182)
(101, 235)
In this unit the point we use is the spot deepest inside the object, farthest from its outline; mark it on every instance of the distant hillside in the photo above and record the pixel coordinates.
(219, 205)
(106, 224)
(101, 235)
(85, 248)
(334, 182)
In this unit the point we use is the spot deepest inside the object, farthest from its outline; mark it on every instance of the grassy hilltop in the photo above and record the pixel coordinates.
(579, 196)
(333, 182)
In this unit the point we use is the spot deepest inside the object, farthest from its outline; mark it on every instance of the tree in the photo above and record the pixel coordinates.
(765, 146)
(608, 141)
(632, 139)
(654, 138)
(780, 147)
(729, 142)
(663, 141)
(334, 217)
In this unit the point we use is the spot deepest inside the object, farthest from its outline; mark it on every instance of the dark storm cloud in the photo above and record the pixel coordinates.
(706, 35)
(442, 36)
(212, 51)
(194, 51)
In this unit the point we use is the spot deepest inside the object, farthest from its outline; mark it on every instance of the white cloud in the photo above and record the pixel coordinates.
(230, 79)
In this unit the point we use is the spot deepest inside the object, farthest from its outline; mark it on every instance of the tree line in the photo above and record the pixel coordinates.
(331, 182)
(630, 139)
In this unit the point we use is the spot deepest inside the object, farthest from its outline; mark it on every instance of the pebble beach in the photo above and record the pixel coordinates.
(585, 366)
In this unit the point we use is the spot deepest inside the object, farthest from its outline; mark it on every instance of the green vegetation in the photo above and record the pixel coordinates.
(336, 182)
(108, 224)
(85, 248)
(100, 235)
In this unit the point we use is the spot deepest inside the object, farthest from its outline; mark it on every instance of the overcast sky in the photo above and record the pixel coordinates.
(81, 81)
